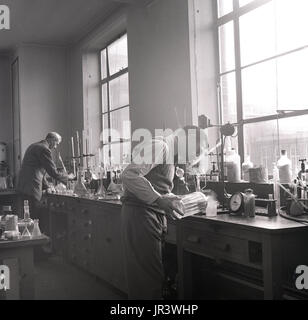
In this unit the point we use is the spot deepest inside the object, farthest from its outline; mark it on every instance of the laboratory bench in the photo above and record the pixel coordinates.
(223, 257)
(17, 255)
(88, 233)
(230, 257)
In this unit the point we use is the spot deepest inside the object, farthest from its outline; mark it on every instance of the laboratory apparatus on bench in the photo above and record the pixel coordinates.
(80, 188)
(26, 222)
(284, 166)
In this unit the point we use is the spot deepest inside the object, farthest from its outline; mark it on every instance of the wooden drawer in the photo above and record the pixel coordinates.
(57, 204)
(81, 256)
(215, 245)
(75, 221)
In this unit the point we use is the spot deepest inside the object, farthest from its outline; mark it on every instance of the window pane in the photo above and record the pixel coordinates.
(117, 55)
(259, 90)
(292, 24)
(293, 81)
(118, 90)
(261, 141)
(226, 47)
(121, 153)
(228, 97)
(120, 124)
(293, 136)
(105, 128)
(244, 2)
(104, 98)
(257, 34)
(103, 64)
(224, 7)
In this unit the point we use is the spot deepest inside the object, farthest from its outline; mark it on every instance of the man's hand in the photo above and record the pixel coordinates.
(168, 205)
(51, 189)
(71, 176)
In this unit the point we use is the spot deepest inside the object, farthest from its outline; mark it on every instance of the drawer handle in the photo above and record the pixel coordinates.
(193, 239)
(87, 237)
(88, 223)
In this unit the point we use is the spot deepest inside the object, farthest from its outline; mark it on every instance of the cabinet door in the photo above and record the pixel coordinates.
(80, 240)
(107, 246)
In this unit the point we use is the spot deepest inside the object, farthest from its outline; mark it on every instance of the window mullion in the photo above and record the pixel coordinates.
(238, 76)
(108, 105)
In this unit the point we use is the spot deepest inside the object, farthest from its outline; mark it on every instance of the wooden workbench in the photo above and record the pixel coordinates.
(18, 256)
(226, 257)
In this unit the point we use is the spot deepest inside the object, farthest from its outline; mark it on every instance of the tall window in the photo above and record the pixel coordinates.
(116, 135)
(263, 51)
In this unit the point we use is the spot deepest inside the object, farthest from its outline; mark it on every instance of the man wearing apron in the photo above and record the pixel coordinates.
(146, 203)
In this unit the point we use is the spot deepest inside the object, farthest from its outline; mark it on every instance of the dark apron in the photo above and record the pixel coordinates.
(143, 228)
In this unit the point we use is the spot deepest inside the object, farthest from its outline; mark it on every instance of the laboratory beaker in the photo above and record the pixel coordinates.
(36, 233)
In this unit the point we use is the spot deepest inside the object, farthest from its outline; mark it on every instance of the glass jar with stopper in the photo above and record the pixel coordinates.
(26, 222)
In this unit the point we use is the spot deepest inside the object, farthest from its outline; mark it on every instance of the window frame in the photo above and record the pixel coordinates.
(241, 122)
(107, 81)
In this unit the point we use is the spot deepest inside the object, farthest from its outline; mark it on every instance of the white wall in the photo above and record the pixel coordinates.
(43, 94)
(6, 128)
(204, 62)
(172, 65)
(84, 107)
(159, 65)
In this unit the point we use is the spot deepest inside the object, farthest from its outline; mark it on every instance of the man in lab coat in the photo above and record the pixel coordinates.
(147, 201)
(36, 163)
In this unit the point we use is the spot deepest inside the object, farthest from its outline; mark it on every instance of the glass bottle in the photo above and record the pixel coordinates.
(284, 166)
(233, 166)
(36, 233)
(26, 221)
(245, 168)
(249, 203)
(211, 208)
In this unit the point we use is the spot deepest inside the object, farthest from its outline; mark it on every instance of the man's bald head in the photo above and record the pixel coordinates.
(53, 139)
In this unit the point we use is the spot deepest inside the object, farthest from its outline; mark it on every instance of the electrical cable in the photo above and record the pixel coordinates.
(286, 216)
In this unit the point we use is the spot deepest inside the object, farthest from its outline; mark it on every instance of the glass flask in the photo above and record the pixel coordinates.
(101, 192)
(36, 233)
(80, 188)
(26, 235)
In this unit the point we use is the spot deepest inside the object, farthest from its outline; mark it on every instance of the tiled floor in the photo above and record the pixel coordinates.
(58, 280)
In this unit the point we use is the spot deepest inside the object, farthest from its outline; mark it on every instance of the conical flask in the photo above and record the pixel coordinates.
(36, 233)
(80, 188)
(26, 235)
(101, 191)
